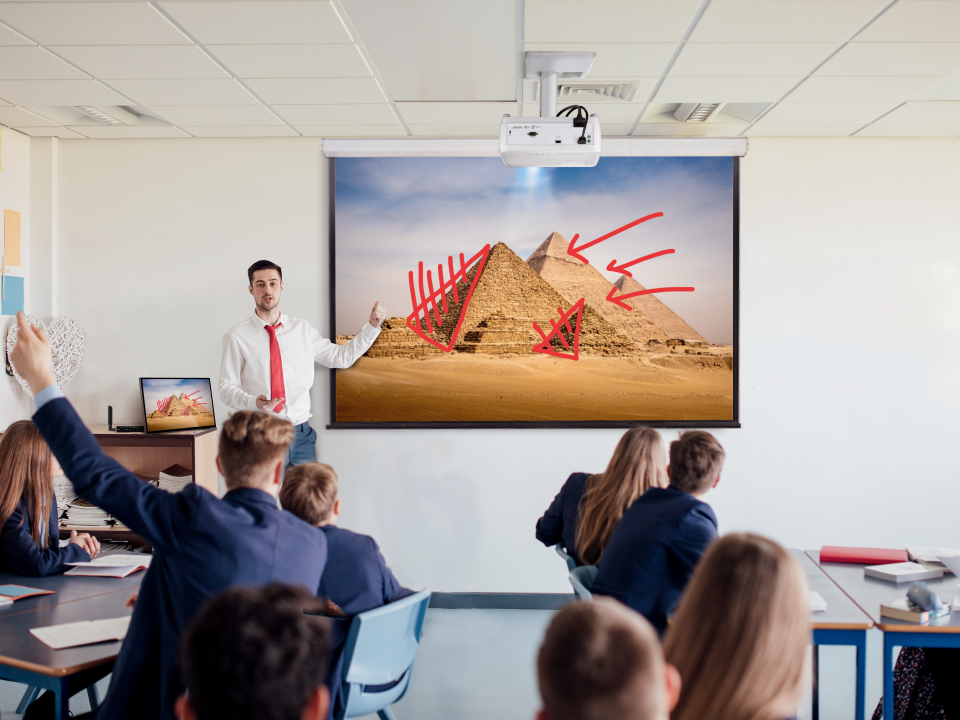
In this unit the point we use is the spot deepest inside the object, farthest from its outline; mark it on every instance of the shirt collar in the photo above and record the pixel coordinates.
(260, 324)
(251, 496)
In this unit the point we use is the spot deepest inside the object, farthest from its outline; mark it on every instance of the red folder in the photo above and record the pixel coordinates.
(863, 556)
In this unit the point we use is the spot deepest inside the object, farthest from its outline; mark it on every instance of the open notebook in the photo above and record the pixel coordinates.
(118, 566)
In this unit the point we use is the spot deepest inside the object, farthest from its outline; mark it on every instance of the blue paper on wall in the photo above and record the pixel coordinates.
(12, 295)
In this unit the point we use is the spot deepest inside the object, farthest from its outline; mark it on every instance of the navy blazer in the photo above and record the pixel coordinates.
(20, 554)
(202, 545)
(559, 522)
(653, 551)
(357, 579)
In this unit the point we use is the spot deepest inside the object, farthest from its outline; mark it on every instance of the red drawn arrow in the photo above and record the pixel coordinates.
(616, 300)
(613, 267)
(574, 251)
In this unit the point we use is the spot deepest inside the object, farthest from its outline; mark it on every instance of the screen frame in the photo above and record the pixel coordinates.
(143, 407)
(680, 424)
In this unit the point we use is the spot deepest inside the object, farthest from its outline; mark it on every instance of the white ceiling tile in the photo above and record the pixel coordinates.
(553, 21)
(820, 88)
(9, 37)
(463, 131)
(91, 23)
(802, 130)
(688, 129)
(337, 114)
(783, 21)
(916, 21)
(910, 131)
(35, 63)
(609, 113)
(317, 91)
(454, 113)
(59, 92)
(352, 130)
(60, 132)
(228, 131)
(124, 131)
(275, 21)
(15, 117)
(885, 59)
(723, 89)
(215, 115)
(142, 61)
(946, 89)
(4, 103)
(618, 59)
(184, 92)
(787, 113)
(924, 113)
(440, 50)
(749, 59)
(292, 61)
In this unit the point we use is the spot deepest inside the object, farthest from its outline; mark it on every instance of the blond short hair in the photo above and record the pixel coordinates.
(740, 635)
(696, 458)
(310, 491)
(250, 442)
(601, 661)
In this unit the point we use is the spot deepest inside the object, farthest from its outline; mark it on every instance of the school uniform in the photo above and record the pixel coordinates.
(653, 552)
(202, 545)
(20, 554)
(559, 523)
(356, 578)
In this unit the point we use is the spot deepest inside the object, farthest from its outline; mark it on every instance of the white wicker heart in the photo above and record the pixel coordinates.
(66, 339)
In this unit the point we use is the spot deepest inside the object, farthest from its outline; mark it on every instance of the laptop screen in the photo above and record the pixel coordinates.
(177, 404)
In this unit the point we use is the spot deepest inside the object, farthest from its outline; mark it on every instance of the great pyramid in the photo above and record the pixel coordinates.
(575, 280)
(651, 305)
(179, 406)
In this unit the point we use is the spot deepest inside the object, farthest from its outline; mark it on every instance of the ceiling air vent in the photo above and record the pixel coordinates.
(623, 92)
(697, 112)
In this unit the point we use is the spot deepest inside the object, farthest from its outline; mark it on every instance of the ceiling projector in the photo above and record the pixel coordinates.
(570, 138)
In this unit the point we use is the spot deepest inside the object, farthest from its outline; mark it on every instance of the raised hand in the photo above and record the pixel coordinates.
(377, 314)
(32, 355)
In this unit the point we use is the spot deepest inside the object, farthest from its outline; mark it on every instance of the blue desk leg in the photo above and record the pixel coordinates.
(815, 702)
(62, 700)
(856, 638)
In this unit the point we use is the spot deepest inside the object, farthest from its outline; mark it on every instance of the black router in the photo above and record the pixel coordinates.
(120, 428)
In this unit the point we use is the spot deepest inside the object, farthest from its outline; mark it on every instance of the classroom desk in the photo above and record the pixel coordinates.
(843, 623)
(24, 659)
(869, 593)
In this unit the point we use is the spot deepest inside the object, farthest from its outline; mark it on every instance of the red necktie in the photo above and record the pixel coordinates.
(277, 389)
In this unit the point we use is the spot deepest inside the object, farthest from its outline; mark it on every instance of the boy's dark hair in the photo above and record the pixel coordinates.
(696, 459)
(309, 491)
(252, 654)
(263, 265)
(250, 441)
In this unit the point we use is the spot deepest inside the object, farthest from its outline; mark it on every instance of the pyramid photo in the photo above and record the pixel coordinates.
(179, 407)
(651, 306)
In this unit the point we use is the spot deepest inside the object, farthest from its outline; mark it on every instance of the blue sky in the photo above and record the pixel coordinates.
(162, 388)
(393, 212)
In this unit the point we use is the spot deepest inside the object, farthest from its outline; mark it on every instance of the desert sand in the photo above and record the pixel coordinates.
(180, 422)
(460, 387)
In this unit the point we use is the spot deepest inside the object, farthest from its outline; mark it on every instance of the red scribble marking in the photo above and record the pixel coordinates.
(413, 320)
(574, 251)
(613, 267)
(546, 348)
(617, 300)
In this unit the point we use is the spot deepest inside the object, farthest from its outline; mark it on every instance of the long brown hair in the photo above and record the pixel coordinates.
(638, 464)
(740, 633)
(25, 464)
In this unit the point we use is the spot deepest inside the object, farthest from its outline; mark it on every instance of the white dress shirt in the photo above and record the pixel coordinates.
(245, 367)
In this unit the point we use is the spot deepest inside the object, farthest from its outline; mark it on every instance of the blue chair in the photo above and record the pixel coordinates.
(561, 551)
(379, 651)
(582, 579)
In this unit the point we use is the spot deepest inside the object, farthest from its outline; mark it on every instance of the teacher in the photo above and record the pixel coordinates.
(268, 359)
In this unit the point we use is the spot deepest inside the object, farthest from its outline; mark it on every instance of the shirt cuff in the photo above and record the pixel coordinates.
(370, 331)
(51, 392)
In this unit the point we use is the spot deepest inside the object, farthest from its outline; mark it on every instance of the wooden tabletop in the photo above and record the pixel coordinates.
(869, 593)
(842, 613)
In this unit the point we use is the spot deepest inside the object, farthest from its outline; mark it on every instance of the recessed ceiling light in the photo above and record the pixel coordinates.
(99, 115)
(697, 112)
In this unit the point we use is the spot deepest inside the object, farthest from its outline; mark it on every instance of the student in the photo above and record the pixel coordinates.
(601, 661)
(255, 654)
(659, 540)
(741, 632)
(585, 512)
(356, 578)
(202, 544)
(30, 534)
(925, 685)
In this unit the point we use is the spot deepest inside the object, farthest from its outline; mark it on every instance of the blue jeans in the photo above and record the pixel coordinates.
(303, 449)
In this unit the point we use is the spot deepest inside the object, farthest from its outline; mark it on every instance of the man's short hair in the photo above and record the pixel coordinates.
(250, 442)
(601, 661)
(263, 265)
(309, 491)
(252, 654)
(696, 459)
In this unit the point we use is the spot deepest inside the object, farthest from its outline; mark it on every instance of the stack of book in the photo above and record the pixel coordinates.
(83, 514)
(929, 557)
(175, 478)
(63, 491)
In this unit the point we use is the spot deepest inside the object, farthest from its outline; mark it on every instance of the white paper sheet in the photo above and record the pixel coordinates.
(817, 603)
(85, 632)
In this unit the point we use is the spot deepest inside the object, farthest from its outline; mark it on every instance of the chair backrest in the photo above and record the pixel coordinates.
(582, 579)
(571, 563)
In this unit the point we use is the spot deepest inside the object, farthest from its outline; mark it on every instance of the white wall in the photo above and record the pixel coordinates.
(850, 299)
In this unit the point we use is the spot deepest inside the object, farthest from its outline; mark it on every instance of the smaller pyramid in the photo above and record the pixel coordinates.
(397, 340)
(650, 305)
